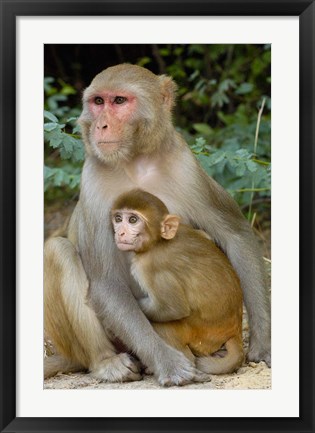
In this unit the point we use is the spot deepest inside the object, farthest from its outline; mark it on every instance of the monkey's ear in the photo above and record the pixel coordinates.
(169, 226)
(168, 89)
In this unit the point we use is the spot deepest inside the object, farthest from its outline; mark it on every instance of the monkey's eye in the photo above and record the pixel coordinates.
(118, 219)
(98, 100)
(133, 219)
(120, 100)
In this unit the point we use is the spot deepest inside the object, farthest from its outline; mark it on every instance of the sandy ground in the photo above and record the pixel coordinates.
(252, 376)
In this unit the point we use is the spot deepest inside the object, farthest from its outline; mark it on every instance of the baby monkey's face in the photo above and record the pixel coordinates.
(130, 229)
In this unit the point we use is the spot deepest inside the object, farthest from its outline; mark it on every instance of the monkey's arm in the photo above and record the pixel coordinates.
(166, 298)
(158, 310)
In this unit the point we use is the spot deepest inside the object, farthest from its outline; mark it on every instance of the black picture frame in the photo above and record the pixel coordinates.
(10, 9)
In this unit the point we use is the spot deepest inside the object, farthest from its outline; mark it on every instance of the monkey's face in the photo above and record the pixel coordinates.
(126, 112)
(130, 229)
(113, 124)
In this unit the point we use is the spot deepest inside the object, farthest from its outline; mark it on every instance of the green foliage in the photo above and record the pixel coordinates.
(57, 96)
(70, 146)
(233, 165)
(211, 77)
(64, 151)
(67, 175)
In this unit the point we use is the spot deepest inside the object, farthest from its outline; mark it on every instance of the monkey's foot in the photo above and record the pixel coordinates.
(181, 373)
(182, 378)
(118, 368)
(148, 371)
(221, 353)
(258, 354)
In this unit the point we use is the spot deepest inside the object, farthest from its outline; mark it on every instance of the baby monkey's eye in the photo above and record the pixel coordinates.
(120, 100)
(133, 219)
(118, 219)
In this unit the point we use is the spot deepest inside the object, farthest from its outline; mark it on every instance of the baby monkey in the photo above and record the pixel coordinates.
(190, 292)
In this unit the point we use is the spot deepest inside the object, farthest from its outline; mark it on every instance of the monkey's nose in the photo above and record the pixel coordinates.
(101, 126)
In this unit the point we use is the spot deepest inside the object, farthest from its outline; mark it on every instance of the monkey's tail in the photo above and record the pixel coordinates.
(229, 363)
(57, 364)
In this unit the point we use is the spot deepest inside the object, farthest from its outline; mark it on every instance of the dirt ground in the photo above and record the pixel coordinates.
(253, 376)
(249, 376)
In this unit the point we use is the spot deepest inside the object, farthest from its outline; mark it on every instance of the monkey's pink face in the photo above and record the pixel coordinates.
(111, 113)
(130, 230)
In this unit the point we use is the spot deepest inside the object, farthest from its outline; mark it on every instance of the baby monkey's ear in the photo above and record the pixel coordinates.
(169, 226)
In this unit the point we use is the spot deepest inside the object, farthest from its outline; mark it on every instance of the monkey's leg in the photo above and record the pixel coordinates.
(175, 334)
(232, 360)
(245, 257)
(235, 237)
(71, 324)
(56, 363)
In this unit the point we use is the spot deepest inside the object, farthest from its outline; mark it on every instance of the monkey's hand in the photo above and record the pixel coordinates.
(176, 369)
(119, 368)
(163, 312)
(257, 354)
(150, 308)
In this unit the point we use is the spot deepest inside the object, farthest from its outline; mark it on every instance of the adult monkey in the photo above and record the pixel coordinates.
(130, 142)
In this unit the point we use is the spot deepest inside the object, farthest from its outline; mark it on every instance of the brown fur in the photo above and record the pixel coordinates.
(187, 280)
(87, 283)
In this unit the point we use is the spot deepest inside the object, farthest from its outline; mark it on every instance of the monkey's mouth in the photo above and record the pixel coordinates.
(108, 145)
(124, 246)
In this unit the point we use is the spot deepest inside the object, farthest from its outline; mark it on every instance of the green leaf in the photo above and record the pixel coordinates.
(240, 171)
(48, 115)
(244, 88)
(59, 177)
(50, 126)
(194, 75)
(71, 119)
(243, 153)
(226, 84)
(200, 141)
(48, 172)
(204, 161)
(203, 128)
(68, 90)
(78, 153)
(68, 144)
(219, 99)
(56, 142)
(231, 143)
(54, 137)
(198, 145)
(216, 157)
(143, 61)
(252, 166)
(74, 180)
(76, 129)
(165, 52)
(178, 51)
